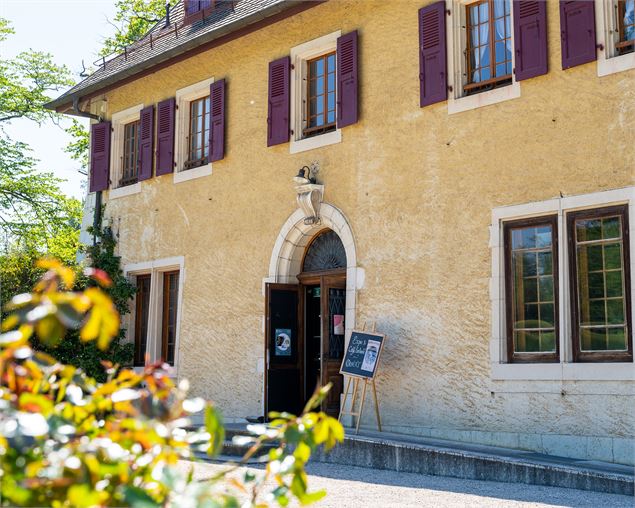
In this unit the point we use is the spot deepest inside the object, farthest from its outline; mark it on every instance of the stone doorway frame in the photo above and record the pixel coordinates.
(288, 252)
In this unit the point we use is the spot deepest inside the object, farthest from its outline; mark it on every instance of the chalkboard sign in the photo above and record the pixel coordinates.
(362, 354)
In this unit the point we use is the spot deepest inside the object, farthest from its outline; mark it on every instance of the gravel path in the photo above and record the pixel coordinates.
(367, 488)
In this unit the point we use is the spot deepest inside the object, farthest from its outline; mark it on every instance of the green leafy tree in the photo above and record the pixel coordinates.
(132, 21)
(78, 147)
(19, 273)
(33, 209)
(67, 440)
(26, 82)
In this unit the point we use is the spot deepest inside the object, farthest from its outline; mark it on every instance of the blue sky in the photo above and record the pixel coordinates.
(71, 30)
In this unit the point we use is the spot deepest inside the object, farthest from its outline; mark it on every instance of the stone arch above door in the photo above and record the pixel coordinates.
(289, 248)
(294, 236)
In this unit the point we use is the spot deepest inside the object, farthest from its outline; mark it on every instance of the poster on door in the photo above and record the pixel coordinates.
(338, 324)
(283, 342)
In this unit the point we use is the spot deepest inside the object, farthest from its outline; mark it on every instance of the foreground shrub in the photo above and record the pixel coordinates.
(67, 440)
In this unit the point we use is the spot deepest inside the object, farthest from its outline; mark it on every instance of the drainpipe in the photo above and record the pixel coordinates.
(97, 215)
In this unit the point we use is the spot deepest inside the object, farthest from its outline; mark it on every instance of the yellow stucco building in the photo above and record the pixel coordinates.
(469, 186)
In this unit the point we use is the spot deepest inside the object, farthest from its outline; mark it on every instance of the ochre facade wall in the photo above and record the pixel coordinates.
(417, 187)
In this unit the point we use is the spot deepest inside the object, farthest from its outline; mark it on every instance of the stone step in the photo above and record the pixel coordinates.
(477, 462)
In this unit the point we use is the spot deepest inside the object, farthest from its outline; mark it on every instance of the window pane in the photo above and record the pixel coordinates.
(331, 83)
(321, 94)
(544, 266)
(331, 63)
(534, 305)
(612, 256)
(629, 20)
(499, 8)
(320, 86)
(546, 315)
(319, 67)
(484, 36)
(141, 318)
(611, 227)
(170, 296)
(547, 341)
(501, 52)
(474, 36)
(473, 14)
(593, 339)
(617, 339)
(546, 289)
(529, 264)
(600, 300)
(589, 230)
(614, 283)
(483, 11)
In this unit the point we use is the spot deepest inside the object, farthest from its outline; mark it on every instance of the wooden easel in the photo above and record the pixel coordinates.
(356, 380)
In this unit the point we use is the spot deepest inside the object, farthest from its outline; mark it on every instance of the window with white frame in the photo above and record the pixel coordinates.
(615, 27)
(125, 147)
(480, 53)
(155, 317)
(561, 287)
(313, 94)
(192, 130)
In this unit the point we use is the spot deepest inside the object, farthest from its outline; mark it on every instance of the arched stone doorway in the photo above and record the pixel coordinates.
(310, 306)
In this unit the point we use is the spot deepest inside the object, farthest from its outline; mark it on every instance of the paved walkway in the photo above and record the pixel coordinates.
(358, 487)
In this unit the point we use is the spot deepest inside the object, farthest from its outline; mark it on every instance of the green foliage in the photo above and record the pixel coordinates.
(133, 19)
(33, 209)
(67, 440)
(19, 273)
(78, 147)
(26, 80)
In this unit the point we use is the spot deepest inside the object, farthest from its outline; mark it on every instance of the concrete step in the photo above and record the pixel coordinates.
(233, 451)
(477, 462)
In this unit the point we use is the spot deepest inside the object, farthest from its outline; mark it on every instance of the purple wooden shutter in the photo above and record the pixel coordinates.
(278, 119)
(146, 142)
(165, 136)
(99, 156)
(432, 54)
(217, 121)
(530, 38)
(191, 6)
(347, 79)
(577, 26)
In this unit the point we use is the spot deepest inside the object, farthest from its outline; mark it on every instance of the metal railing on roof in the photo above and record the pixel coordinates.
(152, 37)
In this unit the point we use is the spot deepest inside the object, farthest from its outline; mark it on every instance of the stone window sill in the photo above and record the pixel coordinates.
(479, 100)
(563, 372)
(191, 174)
(607, 66)
(127, 190)
(329, 138)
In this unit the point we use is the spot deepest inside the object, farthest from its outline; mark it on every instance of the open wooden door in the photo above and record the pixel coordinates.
(333, 312)
(284, 349)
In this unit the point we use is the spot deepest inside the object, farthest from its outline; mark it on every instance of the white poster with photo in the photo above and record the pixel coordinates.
(370, 357)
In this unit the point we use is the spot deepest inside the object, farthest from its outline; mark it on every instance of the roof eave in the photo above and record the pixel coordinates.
(64, 103)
